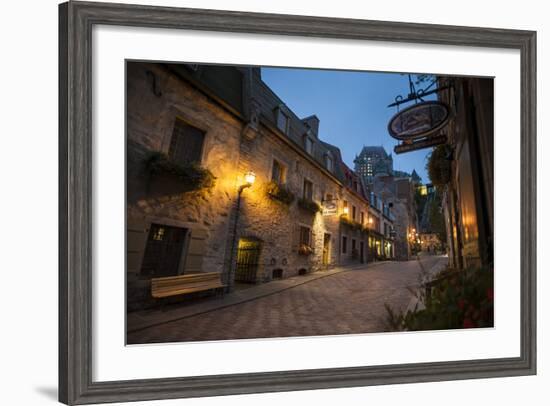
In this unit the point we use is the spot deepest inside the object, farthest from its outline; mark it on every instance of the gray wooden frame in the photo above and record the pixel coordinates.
(75, 179)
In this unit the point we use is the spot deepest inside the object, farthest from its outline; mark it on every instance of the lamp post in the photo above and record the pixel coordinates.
(249, 179)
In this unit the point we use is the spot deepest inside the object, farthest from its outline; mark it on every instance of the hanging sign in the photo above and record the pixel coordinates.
(428, 142)
(330, 207)
(419, 120)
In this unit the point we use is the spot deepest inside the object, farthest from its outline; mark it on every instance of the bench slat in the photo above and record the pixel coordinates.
(185, 290)
(182, 284)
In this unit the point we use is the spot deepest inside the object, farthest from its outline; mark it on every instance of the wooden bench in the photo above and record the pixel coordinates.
(183, 284)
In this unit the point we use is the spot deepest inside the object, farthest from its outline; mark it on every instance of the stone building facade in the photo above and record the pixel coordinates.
(193, 133)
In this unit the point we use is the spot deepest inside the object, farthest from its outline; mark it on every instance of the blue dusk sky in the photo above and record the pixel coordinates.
(351, 106)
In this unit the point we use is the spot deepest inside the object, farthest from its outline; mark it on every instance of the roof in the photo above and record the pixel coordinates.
(371, 149)
(226, 83)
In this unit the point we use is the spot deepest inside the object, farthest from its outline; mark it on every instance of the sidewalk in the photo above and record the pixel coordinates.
(143, 319)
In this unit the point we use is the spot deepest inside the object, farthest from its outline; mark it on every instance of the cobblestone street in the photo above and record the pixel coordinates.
(347, 302)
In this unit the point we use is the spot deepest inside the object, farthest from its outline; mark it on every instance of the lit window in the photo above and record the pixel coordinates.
(278, 173)
(158, 233)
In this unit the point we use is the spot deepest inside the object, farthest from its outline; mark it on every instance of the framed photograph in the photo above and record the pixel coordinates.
(259, 202)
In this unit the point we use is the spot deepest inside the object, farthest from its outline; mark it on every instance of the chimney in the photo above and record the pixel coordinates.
(313, 123)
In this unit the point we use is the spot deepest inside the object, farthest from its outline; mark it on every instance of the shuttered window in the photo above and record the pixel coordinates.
(308, 190)
(305, 236)
(344, 244)
(186, 143)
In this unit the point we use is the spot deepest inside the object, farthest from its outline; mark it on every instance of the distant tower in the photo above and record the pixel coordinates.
(373, 161)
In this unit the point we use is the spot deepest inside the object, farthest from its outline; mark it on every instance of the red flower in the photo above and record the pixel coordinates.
(468, 323)
(490, 294)
(461, 304)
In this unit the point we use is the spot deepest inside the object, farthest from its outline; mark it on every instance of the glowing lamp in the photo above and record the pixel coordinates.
(249, 178)
(346, 210)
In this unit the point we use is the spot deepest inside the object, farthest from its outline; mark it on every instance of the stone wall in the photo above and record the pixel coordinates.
(205, 213)
(276, 224)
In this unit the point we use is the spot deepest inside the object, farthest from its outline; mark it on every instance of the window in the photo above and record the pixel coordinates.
(278, 173)
(329, 162)
(308, 190)
(353, 245)
(308, 144)
(186, 143)
(328, 197)
(344, 244)
(305, 236)
(163, 250)
(283, 122)
(353, 212)
(362, 218)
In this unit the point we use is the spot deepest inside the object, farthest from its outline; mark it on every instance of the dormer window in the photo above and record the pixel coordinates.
(329, 163)
(308, 144)
(283, 121)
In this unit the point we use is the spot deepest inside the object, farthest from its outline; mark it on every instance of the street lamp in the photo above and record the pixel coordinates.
(346, 210)
(249, 179)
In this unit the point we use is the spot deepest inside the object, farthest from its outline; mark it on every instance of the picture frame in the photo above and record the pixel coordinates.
(76, 19)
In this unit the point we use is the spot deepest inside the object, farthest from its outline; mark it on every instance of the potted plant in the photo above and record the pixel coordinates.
(279, 193)
(305, 250)
(183, 178)
(309, 206)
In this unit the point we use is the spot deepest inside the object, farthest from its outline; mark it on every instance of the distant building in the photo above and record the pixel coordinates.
(398, 193)
(372, 161)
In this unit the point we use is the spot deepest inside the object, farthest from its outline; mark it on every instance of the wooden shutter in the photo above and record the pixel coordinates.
(195, 251)
(136, 238)
(186, 143)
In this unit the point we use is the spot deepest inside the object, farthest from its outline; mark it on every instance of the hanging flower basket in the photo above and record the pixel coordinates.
(280, 193)
(309, 205)
(305, 250)
(439, 165)
(188, 177)
(353, 225)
